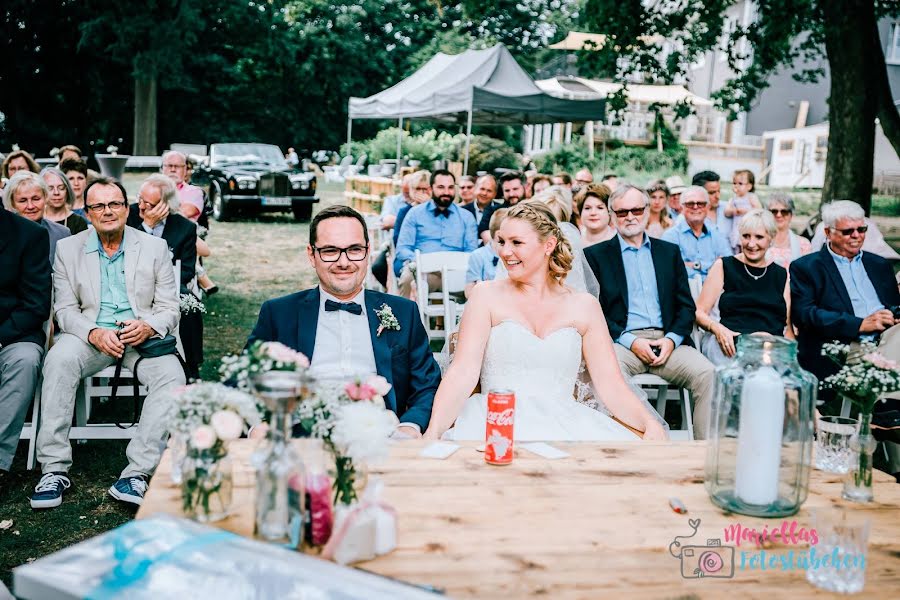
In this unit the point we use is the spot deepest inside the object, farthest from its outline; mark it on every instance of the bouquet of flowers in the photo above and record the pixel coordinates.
(353, 423)
(865, 375)
(188, 303)
(260, 357)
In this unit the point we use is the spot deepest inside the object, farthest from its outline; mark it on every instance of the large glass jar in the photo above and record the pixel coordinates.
(761, 430)
(280, 476)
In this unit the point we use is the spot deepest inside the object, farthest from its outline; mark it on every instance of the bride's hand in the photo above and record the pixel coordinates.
(654, 431)
(431, 435)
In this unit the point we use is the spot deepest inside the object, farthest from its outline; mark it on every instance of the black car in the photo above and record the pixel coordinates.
(254, 178)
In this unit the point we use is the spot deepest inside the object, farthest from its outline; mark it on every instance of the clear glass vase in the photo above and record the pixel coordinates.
(280, 476)
(206, 483)
(761, 430)
(177, 454)
(858, 480)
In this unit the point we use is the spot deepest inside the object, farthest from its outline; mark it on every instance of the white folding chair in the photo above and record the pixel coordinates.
(664, 390)
(452, 268)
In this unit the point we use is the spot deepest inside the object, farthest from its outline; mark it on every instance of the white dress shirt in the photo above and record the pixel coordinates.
(343, 346)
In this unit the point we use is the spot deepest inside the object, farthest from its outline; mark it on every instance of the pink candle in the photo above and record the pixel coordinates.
(318, 490)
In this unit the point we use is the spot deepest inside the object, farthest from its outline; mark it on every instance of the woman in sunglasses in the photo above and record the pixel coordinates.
(787, 245)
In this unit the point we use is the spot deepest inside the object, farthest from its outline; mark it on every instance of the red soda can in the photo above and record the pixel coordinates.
(498, 431)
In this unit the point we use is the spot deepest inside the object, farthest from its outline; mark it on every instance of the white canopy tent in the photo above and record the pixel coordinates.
(477, 86)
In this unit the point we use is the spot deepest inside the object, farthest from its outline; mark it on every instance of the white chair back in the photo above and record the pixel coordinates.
(452, 268)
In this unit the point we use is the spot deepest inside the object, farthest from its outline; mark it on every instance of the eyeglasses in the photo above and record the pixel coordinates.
(637, 211)
(694, 204)
(331, 254)
(780, 212)
(99, 209)
(174, 166)
(849, 231)
(147, 203)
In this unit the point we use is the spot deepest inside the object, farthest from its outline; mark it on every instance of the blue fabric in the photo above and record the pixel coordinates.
(482, 265)
(402, 357)
(392, 205)
(703, 250)
(643, 306)
(723, 223)
(454, 231)
(114, 304)
(859, 287)
(401, 215)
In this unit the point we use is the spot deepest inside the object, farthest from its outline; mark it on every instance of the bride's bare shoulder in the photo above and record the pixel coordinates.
(582, 303)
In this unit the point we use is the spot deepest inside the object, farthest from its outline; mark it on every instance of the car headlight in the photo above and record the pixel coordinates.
(246, 183)
(300, 184)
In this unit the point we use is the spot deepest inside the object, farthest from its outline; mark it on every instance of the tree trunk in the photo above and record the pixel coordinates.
(852, 105)
(887, 110)
(145, 116)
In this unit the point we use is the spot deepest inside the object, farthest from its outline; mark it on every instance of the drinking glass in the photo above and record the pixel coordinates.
(838, 562)
(833, 453)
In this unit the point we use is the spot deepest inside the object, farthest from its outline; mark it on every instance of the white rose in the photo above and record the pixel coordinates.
(379, 384)
(227, 424)
(203, 438)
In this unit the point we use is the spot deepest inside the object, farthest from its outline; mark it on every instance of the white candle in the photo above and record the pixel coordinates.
(759, 437)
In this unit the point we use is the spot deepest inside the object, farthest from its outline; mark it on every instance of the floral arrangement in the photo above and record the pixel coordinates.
(112, 150)
(386, 320)
(865, 375)
(260, 357)
(354, 425)
(189, 303)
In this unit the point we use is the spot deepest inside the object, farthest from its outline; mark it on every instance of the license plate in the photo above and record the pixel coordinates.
(276, 200)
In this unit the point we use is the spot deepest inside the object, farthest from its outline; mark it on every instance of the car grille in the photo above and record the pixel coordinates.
(274, 184)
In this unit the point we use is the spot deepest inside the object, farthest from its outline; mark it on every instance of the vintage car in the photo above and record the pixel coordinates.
(254, 178)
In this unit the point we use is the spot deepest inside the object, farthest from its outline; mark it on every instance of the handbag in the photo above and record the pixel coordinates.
(151, 348)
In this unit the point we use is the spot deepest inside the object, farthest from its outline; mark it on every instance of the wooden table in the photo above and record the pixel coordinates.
(591, 525)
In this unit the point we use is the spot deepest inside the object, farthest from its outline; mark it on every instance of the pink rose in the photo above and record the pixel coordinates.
(360, 391)
(203, 438)
(228, 425)
(882, 362)
(379, 384)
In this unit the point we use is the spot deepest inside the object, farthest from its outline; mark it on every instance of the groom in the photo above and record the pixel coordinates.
(346, 330)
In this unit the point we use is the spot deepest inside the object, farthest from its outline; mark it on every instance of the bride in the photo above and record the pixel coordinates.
(528, 334)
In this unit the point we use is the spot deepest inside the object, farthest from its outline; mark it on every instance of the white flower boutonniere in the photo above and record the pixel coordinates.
(386, 319)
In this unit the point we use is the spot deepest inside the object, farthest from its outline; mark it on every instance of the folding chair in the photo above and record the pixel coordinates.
(664, 390)
(452, 267)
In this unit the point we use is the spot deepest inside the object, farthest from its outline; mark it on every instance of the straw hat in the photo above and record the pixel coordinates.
(675, 185)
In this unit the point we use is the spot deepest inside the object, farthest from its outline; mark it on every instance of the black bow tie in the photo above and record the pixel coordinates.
(441, 213)
(350, 307)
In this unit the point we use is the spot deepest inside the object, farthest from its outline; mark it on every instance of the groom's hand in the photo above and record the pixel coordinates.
(405, 432)
(666, 347)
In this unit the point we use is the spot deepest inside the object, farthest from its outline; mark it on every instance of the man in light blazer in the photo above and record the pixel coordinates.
(114, 289)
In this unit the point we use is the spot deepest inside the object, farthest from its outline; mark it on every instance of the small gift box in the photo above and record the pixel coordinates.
(363, 530)
(165, 557)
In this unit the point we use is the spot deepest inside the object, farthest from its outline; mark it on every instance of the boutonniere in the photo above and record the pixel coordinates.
(386, 319)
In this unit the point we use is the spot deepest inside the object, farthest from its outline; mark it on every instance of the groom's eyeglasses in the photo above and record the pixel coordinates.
(331, 254)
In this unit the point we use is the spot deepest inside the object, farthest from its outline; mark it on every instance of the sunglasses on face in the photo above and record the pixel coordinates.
(624, 212)
(849, 231)
(780, 212)
(694, 204)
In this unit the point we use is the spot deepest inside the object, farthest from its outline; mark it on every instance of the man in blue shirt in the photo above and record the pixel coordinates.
(439, 225)
(647, 303)
(700, 244)
(715, 212)
(483, 262)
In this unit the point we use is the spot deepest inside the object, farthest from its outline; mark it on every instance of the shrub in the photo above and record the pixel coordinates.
(638, 161)
(486, 154)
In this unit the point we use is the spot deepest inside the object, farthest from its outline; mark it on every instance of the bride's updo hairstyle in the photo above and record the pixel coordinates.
(538, 215)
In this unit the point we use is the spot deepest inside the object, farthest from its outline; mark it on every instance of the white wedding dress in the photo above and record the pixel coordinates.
(543, 375)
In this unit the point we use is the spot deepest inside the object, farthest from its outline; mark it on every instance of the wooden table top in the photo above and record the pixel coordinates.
(595, 523)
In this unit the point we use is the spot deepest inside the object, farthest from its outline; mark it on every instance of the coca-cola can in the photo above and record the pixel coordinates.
(498, 431)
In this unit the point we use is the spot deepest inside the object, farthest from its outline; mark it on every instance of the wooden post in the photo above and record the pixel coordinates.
(399, 143)
(468, 141)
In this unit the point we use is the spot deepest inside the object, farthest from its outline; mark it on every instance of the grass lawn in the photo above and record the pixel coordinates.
(253, 260)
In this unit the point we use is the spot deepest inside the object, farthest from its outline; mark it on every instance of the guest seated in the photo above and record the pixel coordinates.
(483, 261)
(390, 208)
(77, 173)
(787, 245)
(700, 243)
(582, 178)
(513, 187)
(596, 219)
(659, 214)
(439, 225)
(562, 179)
(60, 200)
(466, 189)
(676, 188)
(18, 160)
(24, 307)
(610, 180)
(841, 292)
(114, 291)
(539, 183)
(647, 303)
(874, 244)
(26, 195)
(716, 212)
(420, 192)
(69, 151)
(485, 192)
(752, 292)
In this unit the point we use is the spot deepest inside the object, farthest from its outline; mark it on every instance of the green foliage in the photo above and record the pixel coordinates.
(630, 162)
(487, 153)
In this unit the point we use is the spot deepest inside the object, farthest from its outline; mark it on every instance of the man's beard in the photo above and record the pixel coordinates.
(513, 200)
(443, 201)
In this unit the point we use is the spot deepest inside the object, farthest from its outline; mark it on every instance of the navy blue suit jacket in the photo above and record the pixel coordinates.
(402, 357)
(821, 308)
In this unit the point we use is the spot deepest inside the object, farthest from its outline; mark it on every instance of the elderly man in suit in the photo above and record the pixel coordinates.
(114, 290)
(24, 307)
(647, 302)
(346, 330)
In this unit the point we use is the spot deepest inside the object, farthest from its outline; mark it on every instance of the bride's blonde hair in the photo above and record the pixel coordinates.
(539, 216)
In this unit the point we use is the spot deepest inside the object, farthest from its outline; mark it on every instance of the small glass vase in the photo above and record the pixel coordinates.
(858, 481)
(206, 483)
(177, 454)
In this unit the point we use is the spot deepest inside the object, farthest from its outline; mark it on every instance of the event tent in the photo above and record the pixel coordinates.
(477, 86)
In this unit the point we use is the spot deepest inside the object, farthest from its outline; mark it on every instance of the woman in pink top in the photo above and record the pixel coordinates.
(787, 245)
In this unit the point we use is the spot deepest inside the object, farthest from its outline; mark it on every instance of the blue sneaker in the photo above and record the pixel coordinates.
(130, 489)
(48, 492)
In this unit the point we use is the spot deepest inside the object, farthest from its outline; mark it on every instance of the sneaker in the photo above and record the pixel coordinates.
(48, 493)
(130, 489)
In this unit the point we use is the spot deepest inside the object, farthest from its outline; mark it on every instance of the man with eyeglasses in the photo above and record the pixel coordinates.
(341, 327)
(114, 290)
(174, 166)
(842, 292)
(700, 242)
(647, 302)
